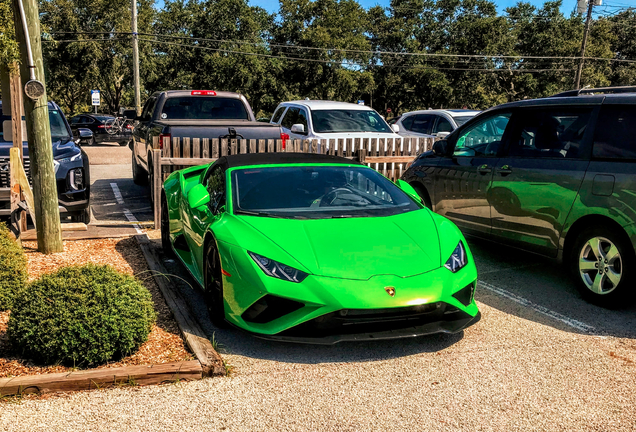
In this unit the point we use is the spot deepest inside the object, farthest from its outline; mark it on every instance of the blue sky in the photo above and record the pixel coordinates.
(568, 5)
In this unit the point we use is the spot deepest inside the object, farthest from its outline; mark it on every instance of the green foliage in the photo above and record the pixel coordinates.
(9, 52)
(332, 49)
(13, 268)
(81, 315)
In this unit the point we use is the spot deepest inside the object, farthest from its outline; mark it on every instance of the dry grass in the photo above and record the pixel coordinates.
(164, 343)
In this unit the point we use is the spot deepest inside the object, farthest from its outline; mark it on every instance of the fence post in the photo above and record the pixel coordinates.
(156, 185)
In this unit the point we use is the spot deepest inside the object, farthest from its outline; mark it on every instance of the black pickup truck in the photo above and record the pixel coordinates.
(193, 114)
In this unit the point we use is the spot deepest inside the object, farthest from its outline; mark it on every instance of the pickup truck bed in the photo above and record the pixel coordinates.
(193, 114)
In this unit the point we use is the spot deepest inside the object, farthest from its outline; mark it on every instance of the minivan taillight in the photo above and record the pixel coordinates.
(163, 137)
(284, 137)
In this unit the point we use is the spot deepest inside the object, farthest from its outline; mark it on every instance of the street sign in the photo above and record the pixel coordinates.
(95, 97)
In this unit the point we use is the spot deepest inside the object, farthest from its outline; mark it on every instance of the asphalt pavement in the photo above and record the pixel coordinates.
(541, 359)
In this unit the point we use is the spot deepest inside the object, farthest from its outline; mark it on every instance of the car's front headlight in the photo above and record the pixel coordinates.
(67, 159)
(278, 270)
(458, 258)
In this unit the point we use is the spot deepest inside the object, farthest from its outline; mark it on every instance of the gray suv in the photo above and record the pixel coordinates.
(554, 176)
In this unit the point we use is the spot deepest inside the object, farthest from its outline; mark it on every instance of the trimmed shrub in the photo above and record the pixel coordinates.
(81, 315)
(13, 268)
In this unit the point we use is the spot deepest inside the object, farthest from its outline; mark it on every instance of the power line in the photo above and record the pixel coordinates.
(353, 64)
(372, 52)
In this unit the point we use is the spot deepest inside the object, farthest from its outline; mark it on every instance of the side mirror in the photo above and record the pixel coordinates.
(198, 196)
(84, 135)
(129, 113)
(395, 128)
(440, 148)
(408, 189)
(298, 128)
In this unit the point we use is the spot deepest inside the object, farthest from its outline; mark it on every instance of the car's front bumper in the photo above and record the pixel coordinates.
(318, 298)
(451, 325)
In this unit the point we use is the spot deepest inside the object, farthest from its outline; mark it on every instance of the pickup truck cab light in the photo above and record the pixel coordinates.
(203, 93)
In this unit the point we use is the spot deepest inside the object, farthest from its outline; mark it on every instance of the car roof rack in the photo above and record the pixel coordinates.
(587, 91)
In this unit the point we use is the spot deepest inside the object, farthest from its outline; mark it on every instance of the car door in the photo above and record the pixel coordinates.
(295, 115)
(422, 124)
(538, 177)
(462, 180)
(442, 124)
(140, 132)
(196, 221)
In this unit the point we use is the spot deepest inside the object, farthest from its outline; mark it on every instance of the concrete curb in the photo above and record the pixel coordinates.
(195, 337)
(102, 378)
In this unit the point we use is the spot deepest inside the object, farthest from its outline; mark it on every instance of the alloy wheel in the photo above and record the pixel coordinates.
(600, 265)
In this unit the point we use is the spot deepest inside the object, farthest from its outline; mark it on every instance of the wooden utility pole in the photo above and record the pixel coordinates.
(47, 213)
(579, 71)
(135, 41)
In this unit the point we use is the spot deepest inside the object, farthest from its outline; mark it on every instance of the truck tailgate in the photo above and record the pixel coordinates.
(221, 129)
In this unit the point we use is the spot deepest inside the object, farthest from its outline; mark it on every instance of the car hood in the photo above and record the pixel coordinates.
(61, 147)
(336, 135)
(357, 248)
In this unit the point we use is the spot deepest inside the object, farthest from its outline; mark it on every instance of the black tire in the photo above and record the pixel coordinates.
(602, 261)
(214, 285)
(91, 142)
(83, 217)
(140, 176)
(124, 143)
(423, 194)
(165, 230)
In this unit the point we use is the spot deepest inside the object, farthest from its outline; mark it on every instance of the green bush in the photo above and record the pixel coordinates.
(81, 315)
(13, 268)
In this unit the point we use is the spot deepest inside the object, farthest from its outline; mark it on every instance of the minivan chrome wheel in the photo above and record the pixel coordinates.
(600, 265)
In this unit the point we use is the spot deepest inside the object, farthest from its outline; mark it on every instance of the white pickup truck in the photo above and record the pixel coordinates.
(315, 119)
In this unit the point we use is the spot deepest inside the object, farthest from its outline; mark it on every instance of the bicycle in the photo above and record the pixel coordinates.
(117, 124)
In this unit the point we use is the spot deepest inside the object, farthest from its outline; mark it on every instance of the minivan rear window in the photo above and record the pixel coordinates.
(615, 131)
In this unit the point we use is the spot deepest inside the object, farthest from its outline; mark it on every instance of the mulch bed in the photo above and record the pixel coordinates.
(164, 343)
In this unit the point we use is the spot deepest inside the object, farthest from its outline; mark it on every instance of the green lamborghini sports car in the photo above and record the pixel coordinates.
(316, 248)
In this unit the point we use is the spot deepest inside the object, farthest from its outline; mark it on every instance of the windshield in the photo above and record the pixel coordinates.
(203, 108)
(316, 192)
(462, 119)
(58, 127)
(333, 121)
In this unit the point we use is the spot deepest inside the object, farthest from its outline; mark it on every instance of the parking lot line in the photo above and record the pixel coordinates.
(120, 200)
(541, 309)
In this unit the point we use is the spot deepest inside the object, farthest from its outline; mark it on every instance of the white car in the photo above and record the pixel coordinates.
(315, 119)
(433, 123)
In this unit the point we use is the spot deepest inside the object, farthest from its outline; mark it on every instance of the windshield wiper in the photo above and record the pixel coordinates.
(341, 216)
(251, 213)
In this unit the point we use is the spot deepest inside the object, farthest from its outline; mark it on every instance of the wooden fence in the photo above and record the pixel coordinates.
(388, 156)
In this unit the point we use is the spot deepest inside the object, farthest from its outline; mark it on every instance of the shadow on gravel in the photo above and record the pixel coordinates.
(535, 283)
(238, 342)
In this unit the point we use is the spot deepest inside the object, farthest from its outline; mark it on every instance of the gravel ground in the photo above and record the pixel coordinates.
(505, 373)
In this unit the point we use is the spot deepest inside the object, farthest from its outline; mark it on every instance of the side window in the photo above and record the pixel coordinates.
(74, 120)
(551, 133)
(277, 115)
(215, 185)
(423, 123)
(407, 122)
(443, 125)
(615, 132)
(483, 138)
(302, 119)
(290, 117)
(149, 107)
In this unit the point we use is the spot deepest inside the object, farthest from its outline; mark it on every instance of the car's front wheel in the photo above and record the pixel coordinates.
(602, 261)
(214, 285)
(140, 176)
(83, 217)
